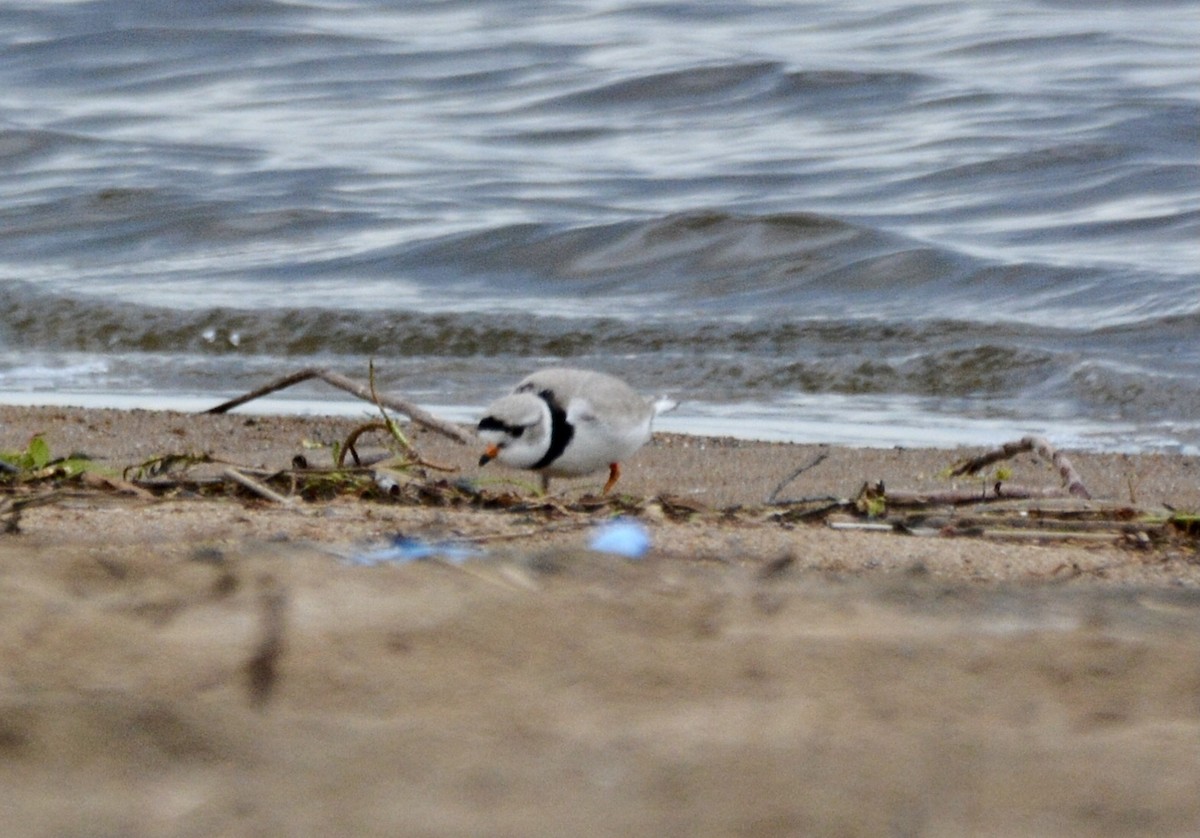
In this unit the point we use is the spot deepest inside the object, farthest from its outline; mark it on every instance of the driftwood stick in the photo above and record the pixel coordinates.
(416, 414)
(998, 492)
(260, 489)
(277, 384)
(1039, 445)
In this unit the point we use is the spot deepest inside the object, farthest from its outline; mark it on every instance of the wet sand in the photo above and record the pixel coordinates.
(196, 666)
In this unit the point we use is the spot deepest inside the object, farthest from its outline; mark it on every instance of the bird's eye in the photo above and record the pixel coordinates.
(517, 431)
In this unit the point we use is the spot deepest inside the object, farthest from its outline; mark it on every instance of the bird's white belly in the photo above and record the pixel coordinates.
(592, 449)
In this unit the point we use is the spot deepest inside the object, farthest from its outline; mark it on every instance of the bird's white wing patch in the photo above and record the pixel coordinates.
(580, 410)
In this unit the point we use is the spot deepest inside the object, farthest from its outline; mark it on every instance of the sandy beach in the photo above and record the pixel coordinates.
(195, 662)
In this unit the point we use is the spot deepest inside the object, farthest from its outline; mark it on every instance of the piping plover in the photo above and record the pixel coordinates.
(568, 423)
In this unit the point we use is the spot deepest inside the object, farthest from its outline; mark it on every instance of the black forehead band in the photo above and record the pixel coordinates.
(491, 423)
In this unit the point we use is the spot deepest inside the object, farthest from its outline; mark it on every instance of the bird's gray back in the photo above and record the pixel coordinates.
(607, 394)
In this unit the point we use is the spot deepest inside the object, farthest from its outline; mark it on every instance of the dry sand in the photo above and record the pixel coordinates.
(213, 667)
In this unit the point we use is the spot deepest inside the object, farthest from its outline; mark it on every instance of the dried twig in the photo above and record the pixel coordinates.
(11, 509)
(820, 458)
(997, 492)
(1042, 447)
(92, 480)
(256, 487)
(416, 414)
(414, 457)
(348, 445)
(158, 466)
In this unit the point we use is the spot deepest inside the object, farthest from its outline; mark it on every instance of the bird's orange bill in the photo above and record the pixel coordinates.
(489, 454)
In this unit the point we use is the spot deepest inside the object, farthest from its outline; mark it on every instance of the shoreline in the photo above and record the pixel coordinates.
(714, 475)
(189, 665)
(905, 430)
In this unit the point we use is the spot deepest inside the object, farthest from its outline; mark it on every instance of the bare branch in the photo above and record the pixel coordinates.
(1039, 445)
(416, 414)
(997, 492)
(277, 384)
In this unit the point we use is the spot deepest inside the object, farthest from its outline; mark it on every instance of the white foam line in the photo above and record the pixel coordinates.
(838, 427)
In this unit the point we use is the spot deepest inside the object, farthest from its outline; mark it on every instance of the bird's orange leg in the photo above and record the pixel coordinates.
(614, 474)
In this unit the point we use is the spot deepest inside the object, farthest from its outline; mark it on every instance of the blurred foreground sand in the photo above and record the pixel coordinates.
(745, 678)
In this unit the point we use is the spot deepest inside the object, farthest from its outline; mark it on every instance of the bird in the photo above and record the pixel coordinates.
(564, 422)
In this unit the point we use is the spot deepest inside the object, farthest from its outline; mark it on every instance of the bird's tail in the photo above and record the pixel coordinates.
(664, 403)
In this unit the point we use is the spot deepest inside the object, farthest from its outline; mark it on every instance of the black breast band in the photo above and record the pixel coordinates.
(561, 430)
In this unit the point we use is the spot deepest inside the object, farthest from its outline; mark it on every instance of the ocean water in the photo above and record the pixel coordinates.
(883, 223)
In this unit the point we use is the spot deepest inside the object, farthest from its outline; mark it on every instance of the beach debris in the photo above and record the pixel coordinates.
(992, 507)
(408, 457)
(677, 508)
(412, 411)
(403, 549)
(260, 489)
(108, 483)
(12, 508)
(871, 500)
(33, 477)
(36, 462)
(875, 501)
(1040, 446)
(35, 456)
(622, 537)
(816, 461)
(404, 454)
(453, 555)
(165, 464)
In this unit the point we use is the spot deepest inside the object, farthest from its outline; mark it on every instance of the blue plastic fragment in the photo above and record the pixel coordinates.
(403, 549)
(621, 537)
